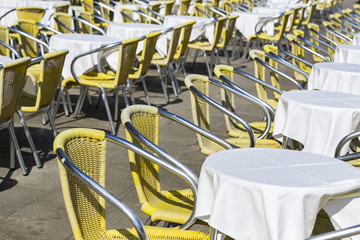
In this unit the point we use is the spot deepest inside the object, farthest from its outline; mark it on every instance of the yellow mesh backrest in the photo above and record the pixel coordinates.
(168, 7)
(148, 51)
(184, 7)
(274, 77)
(228, 30)
(62, 8)
(85, 208)
(127, 53)
(64, 18)
(218, 29)
(297, 51)
(4, 37)
(185, 37)
(145, 174)
(175, 35)
(199, 10)
(259, 71)
(85, 7)
(12, 77)
(156, 8)
(310, 13)
(83, 28)
(128, 12)
(200, 109)
(28, 46)
(104, 11)
(30, 13)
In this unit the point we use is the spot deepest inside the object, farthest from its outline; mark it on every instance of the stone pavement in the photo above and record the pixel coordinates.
(32, 207)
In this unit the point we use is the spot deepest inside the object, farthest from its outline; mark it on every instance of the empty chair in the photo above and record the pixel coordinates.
(12, 79)
(226, 35)
(184, 7)
(81, 160)
(30, 13)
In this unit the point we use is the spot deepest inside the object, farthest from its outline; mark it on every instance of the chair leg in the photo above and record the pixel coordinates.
(194, 60)
(123, 90)
(129, 83)
(52, 124)
(175, 80)
(145, 90)
(68, 100)
(245, 51)
(59, 97)
(29, 138)
(227, 55)
(103, 93)
(182, 62)
(116, 110)
(83, 91)
(163, 83)
(17, 150)
(170, 70)
(12, 152)
(207, 63)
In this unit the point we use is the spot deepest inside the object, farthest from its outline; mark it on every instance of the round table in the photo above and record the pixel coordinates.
(272, 194)
(356, 39)
(208, 30)
(347, 54)
(337, 77)
(76, 44)
(251, 19)
(317, 119)
(131, 30)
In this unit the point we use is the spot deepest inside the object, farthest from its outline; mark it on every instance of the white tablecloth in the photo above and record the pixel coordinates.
(9, 20)
(4, 59)
(347, 54)
(356, 39)
(268, 11)
(317, 119)
(270, 194)
(247, 21)
(174, 20)
(131, 30)
(337, 77)
(76, 44)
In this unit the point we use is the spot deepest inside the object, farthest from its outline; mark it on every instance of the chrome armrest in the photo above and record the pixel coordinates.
(94, 9)
(304, 40)
(236, 7)
(13, 50)
(103, 192)
(226, 111)
(100, 18)
(101, 4)
(161, 162)
(207, 15)
(124, 15)
(215, 11)
(321, 41)
(156, 13)
(80, 19)
(323, 36)
(25, 34)
(337, 34)
(147, 16)
(48, 28)
(64, 26)
(260, 25)
(338, 234)
(250, 99)
(344, 141)
(206, 23)
(221, 10)
(244, 7)
(296, 57)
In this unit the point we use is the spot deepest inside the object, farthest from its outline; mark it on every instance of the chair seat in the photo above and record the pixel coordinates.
(240, 143)
(201, 45)
(172, 206)
(265, 36)
(157, 59)
(258, 128)
(93, 79)
(33, 72)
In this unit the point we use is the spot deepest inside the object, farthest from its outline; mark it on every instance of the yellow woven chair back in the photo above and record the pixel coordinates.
(184, 7)
(310, 13)
(104, 11)
(4, 37)
(156, 8)
(129, 12)
(62, 8)
(147, 53)
(357, 8)
(274, 77)
(216, 3)
(64, 18)
(259, 72)
(174, 42)
(12, 78)
(294, 14)
(84, 28)
(85, 208)
(202, 7)
(85, 7)
(228, 31)
(28, 47)
(30, 13)
(297, 51)
(169, 7)
(200, 108)
(185, 37)
(50, 76)
(218, 29)
(301, 33)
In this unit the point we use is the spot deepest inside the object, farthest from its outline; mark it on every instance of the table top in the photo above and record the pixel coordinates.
(356, 39)
(269, 193)
(347, 54)
(4, 59)
(317, 119)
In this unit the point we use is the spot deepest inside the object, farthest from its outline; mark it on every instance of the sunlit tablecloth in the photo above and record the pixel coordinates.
(347, 54)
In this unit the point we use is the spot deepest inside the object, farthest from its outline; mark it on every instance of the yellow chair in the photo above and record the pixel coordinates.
(81, 160)
(143, 128)
(30, 13)
(51, 65)
(293, 16)
(260, 66)
(320, 39)
(168, 9)
(102, 81)
(335, 35)
(309, 13)
(227, 75)
(166, 62)
(5, 48)
(206, 46)
(86, 24)
(61, 8)
(198, 86)
(184, 7)
(88, 6)
(226, 35)
(12, 79)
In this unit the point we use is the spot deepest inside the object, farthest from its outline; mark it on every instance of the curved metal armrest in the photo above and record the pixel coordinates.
(100, 18)
(242, 7)
(103, 48)
(215, 11)
(147, 16)
(344, 141)
(339, 234)
(304, 40)
(64, 26)
(94, 9)
(279, 72)
(101, 4)
(260, 25)
(48, 28)
(124, 15)
(321, 35)
(161, 162)
(287, 64)
(296, 57)
(338, 31)
(80, 19)
(29, 36)
(10, 11)
(103, 192)
(227, 112)
(352, 24)
(251, 99)
(207, 15)
(335, 33)
(156, 13)
(206, 23)
(165, 31)
(237, 8)
(221, 10)
(16, 53)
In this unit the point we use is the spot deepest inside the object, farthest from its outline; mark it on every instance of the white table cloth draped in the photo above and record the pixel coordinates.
(131, 30)
(9, 20)
(317, 119)
(347, 54)
(269, 11)
(356, 39)
(247, 21)
(4, 59)
(76, 44)
(208, 30)
(272, 194)
(337, 77)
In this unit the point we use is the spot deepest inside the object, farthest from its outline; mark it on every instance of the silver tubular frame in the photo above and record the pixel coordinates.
(30, 36)
(221, 10)
(345, 140)
(100, 18)
(259, 26)
(237, 8)
(308, 42)
(296, 57)
(75, 171)
(224, 110)
(310, 50)
(156, 13)
(339, 234)
(80, 19)
(48, 28)
(12, 50)
(148, 16)
(212, 21)
(64, 26)
(250, 99)
(337, 34)
(5, 14)
(161, 162)
(207, 15)
(279, 72)
(124, 15)
(215, 11)
(323, 36)
(94, 9)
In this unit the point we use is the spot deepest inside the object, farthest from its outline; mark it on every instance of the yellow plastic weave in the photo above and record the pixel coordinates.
(28, 47)
(30, 13)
